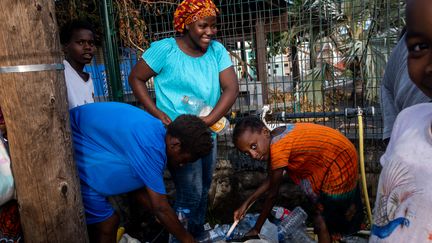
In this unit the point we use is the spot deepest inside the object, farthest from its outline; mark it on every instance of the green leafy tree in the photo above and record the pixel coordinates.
(362, 32)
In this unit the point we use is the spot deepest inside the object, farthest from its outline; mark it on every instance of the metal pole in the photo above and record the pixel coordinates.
(111, 55)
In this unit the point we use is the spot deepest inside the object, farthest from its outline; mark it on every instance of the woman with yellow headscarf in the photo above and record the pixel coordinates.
(194, 65)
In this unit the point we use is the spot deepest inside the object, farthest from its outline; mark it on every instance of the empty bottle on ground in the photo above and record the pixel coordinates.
(216, 234)
(278, 214)
(292, 228)
(182, 216)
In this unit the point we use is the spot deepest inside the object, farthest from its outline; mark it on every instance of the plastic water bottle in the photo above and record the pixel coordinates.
(244, 226)
(279, 213)
(292, 227)
(216, 234)
(198, 107)
(182, 216)
(269, 232)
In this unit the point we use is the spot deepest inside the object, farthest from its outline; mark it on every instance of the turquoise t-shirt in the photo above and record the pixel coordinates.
(118, 148)
(179, 74)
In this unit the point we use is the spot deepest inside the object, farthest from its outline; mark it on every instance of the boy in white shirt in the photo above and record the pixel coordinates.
(77, 38)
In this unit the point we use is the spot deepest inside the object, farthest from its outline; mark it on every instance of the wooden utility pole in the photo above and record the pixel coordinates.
(33, 100)
(261, 58)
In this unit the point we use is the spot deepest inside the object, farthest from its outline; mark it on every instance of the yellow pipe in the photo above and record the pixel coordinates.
(362, 165)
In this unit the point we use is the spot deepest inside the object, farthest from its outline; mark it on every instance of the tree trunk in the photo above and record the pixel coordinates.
(295, 67)
(37, 119)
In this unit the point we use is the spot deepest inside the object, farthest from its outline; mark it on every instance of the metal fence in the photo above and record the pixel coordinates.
(308, 60)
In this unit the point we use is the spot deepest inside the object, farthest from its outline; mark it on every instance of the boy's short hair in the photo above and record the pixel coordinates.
(67, 30)
(251, 123)
(193, 133)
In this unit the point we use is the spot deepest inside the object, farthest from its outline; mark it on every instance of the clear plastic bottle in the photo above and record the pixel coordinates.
(269, 232)
(182, 216)
(278, 214)
(200, 108)
(292, 227)
(244, 226)
(214, 235)
(300, 236)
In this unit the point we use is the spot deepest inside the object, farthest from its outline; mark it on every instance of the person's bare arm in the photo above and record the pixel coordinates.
(165, 214)
(320, 228)
(270, 185)
(142, 197)
(230, 89)
(138, 78)
(275, 179)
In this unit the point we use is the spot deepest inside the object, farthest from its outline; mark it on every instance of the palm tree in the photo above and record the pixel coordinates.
(361, 32)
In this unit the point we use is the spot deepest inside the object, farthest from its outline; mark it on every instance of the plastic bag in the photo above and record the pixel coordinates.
(128, 239)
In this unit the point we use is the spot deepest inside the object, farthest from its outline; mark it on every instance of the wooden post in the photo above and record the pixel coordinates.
(37, 119)
(261, 58)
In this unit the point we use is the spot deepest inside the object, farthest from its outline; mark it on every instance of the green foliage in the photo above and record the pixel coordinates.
(67, 10)
(360, 30)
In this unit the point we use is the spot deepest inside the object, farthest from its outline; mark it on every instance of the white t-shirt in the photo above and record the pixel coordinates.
(79, 91)
(403, 207)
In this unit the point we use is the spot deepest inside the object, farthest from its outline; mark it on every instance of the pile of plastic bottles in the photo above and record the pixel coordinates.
(286, 226)
(291, 226)
(214, 235)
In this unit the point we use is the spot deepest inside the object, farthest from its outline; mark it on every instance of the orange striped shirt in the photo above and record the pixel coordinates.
(322, 155)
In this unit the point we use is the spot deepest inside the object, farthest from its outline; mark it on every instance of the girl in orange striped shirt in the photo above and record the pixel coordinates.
(321, 160)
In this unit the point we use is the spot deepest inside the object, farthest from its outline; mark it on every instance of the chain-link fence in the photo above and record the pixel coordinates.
(308, 60)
